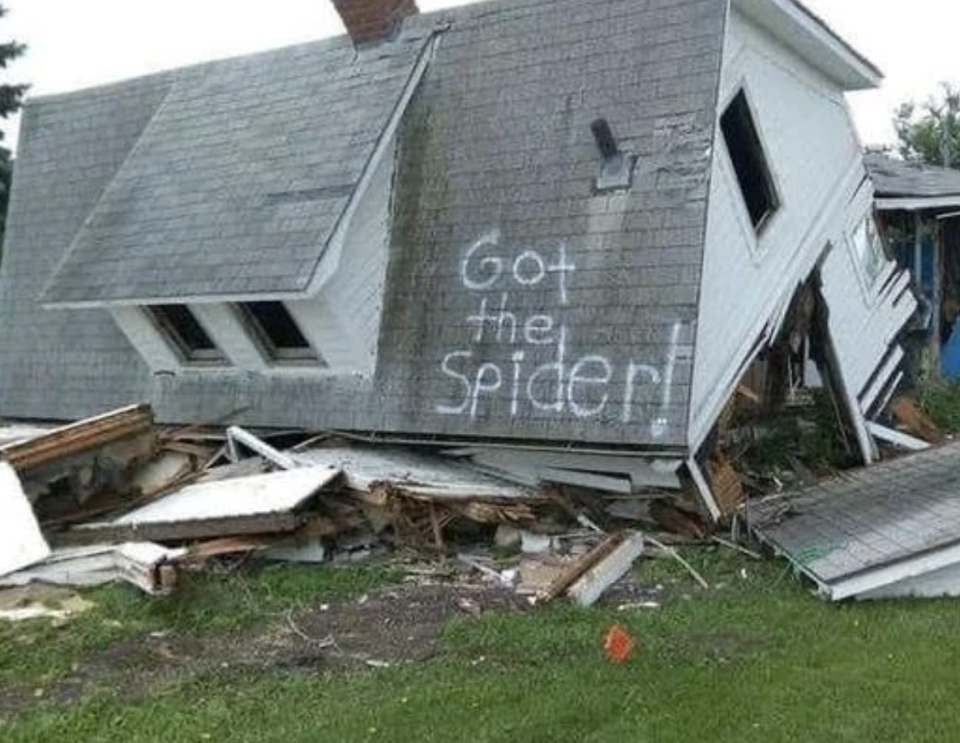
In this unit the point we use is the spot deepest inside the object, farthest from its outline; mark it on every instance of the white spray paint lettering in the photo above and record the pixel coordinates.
(582, 385)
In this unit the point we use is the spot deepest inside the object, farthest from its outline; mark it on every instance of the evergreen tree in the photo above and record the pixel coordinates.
(10, 98)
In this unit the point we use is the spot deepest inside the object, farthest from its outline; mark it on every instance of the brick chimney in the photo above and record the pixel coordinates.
(373, 20)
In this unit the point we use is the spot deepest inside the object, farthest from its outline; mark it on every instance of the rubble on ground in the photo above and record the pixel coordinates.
(118, 497)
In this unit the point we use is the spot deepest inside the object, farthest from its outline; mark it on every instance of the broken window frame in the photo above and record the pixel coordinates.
(268, 341)
(750, 163)
(867, 249)
(177, 336)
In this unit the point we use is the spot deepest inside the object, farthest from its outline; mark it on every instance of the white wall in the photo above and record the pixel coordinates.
(355, 296)
(814, 156)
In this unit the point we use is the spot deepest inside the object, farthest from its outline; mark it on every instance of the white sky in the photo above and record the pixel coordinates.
(74, 43)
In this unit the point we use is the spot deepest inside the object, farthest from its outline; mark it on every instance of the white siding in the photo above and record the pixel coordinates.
(343, 322)
(814, 156)
(228, 332)
(145, 337)
(356, 293)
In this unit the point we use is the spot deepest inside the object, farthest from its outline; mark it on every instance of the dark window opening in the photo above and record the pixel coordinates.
(749, 161)
(185, 333)
(277, 332)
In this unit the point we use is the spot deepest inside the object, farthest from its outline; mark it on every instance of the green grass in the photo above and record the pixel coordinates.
(811, 434)
(755, 659)
(941, 401)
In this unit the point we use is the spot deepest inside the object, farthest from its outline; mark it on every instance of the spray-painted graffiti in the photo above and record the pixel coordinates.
(558, 381)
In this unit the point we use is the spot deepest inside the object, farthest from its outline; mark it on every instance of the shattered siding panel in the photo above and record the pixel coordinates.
(811, 147)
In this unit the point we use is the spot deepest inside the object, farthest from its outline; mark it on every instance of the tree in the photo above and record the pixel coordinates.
(931, 133)
(11, 96)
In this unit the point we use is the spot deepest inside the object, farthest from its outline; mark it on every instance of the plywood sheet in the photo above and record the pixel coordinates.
(275, 492)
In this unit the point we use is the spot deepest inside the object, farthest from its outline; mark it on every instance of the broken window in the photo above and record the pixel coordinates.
(868, 249)
(277, 333)
(185, 333)
(749, 161)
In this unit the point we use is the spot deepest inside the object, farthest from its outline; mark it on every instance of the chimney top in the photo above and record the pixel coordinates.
(373, 20)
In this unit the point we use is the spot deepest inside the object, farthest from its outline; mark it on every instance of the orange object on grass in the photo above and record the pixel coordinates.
(618, 645)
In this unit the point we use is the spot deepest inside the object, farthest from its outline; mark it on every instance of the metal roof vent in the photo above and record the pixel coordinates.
(616, 171)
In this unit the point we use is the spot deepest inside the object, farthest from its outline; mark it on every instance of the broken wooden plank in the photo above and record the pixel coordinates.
(676, 520)
(897, 438)
(78, 437)
(238, 436)
(909, 416)
(222, 546)
(21, 543)
(574, 571)
(250, 505)
(671, 552)
(726, 484)
(607, 571)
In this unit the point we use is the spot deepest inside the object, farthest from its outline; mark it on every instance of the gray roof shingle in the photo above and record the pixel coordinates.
(240, 178)
(497, 141)
(892, 178)
(869, 518)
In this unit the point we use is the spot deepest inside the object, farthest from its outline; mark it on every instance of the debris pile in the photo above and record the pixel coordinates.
(117, 497)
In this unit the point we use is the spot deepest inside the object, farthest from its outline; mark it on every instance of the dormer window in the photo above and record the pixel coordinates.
(749, 161)
(277, 333)
(185, 334)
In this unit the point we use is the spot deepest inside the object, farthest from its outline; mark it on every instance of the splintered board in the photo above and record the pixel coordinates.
(419, 475)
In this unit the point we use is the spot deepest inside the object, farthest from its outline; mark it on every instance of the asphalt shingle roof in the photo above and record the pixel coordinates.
(240, 177)
(869, 518)
(237, 170)
(892, 178)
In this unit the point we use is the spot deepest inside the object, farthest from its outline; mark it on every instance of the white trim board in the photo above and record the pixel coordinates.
(916, 203)
(873, 579)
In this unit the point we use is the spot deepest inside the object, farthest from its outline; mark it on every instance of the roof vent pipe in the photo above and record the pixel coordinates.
(616, 170)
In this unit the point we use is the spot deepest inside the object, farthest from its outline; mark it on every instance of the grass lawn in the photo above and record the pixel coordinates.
(756, 658)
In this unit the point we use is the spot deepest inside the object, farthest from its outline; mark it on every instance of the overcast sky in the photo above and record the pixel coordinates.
(74, 43)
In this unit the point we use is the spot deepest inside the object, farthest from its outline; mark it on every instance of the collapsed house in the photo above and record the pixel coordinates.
(559, 228)
(918, 206)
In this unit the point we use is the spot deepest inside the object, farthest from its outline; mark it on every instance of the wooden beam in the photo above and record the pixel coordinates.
(591, 585)
(78, 437)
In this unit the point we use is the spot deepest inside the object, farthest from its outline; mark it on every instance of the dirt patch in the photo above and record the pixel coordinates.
(387, 626)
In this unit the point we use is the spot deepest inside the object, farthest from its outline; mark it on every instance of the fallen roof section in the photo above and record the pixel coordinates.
(905, 185)
(892, 529)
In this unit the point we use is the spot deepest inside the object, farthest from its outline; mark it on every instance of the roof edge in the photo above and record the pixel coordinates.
(211, 298)
(916, 203)
(809, 36)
